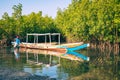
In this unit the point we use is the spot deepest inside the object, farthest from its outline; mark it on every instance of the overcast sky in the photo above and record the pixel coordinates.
(48, 7)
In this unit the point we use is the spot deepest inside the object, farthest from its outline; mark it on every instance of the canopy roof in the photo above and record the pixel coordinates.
(41, 34)
(37, 34)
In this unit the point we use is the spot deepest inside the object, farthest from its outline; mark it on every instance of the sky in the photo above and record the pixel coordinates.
(48, 7)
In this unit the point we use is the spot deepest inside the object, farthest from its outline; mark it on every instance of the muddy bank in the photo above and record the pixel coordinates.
(13, 74)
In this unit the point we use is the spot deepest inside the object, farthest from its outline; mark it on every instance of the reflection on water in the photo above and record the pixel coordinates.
(35, 60)
(17, 54)
(68, 55)
(49, 63)
(44, 64)
(79, 55)
(101, 66)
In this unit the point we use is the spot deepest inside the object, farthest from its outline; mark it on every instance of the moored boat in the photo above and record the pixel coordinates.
(53, 46)
(60, 48)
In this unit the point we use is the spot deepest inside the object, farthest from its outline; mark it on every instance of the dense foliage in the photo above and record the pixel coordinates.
(88, 20)
(82, 20)
(19, 24)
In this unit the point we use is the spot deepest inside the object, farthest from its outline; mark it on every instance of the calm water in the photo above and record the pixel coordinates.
(103, 65)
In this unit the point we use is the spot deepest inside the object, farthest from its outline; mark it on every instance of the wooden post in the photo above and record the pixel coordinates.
(37, 38)
(45, 39)
(50, 38)
(59, 39)
(34, 38)
(27, 38)
(26, 41)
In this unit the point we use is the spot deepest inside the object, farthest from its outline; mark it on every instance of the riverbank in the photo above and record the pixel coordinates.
(13, 74)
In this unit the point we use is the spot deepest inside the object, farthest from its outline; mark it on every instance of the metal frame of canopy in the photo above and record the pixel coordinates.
(36, 35)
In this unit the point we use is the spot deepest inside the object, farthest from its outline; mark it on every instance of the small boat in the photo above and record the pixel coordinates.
(57, 48)
(52, 46)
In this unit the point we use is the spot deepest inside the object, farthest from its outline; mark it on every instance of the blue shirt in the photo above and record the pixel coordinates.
(17, 41)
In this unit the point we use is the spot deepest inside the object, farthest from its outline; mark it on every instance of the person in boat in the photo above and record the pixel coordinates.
(17, 42)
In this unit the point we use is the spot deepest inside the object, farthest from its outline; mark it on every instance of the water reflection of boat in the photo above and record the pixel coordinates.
(47, 52)
(38, 61)
(79, 55)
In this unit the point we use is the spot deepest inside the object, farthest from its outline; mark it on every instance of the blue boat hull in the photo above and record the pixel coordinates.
(77, 47)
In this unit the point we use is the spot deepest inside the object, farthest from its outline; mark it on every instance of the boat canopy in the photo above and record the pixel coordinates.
(36, 35)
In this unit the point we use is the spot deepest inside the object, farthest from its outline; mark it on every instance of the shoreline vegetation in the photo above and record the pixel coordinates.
(105, 46)
(96, 22)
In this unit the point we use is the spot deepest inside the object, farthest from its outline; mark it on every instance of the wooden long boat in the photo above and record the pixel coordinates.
(60, 48)
(56, 46)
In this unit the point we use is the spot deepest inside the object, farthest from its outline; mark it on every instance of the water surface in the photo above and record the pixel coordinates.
(102, 65)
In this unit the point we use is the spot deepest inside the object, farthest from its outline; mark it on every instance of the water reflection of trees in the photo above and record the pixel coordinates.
(106, 61)
(103, 65)
(74, 68)
(7, 59)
